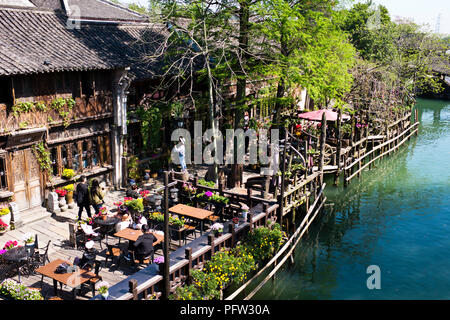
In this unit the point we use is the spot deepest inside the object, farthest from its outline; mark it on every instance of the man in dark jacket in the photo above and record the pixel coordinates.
(83, 197)
(144, 244)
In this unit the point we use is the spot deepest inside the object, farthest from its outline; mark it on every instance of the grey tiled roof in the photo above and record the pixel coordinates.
(36, 40)
(105, 10)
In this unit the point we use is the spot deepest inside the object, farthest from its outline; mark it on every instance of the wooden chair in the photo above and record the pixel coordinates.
(145, 261)
(97, 277)
(112, 252)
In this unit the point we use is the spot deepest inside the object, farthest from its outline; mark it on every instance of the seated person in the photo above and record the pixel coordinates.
(133, 191)
(139, 222)
(88, 259)
(124, 223)
(143, 246)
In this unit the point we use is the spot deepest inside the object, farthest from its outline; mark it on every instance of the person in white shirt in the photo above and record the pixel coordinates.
(181, 149)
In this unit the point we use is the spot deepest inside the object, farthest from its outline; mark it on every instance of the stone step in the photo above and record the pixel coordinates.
(33, 215)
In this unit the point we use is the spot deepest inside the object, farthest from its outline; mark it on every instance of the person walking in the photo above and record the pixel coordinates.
(97, 193)
(82, 197)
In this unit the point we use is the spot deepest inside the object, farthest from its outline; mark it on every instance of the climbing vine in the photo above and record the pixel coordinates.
(57, 104)
(42, 155)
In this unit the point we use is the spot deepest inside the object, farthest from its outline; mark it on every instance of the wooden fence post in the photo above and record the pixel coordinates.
(211, 243)
(233, 235)
(166, 248)
(249, 198)
(322, 145)
(338, 149)
(250, 220)
(188, 256)
(132, 287)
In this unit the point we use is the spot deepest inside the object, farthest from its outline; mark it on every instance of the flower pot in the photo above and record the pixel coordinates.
(62, 203)
(105, 295)
(236, 225)
(6, 219)
(69, 199)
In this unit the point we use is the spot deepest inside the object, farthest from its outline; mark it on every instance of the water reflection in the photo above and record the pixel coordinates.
(397, 217)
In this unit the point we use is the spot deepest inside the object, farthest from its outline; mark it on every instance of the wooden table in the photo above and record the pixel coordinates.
(132, 235)
(73, 280)
(192, 212)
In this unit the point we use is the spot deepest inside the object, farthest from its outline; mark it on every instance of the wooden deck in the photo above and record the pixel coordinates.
(56, 230)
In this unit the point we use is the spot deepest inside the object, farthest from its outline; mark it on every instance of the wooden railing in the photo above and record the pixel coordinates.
(379, 151)
(286, 250)
(180, 272)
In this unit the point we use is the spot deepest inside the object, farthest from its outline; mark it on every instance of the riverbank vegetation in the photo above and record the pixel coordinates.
(352, 57)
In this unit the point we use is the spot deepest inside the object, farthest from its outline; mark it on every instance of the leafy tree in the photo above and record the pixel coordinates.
(303, 47)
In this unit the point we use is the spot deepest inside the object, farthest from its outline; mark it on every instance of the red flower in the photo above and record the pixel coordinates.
(61, 192)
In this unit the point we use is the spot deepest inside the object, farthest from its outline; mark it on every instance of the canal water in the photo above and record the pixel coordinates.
(397, 217)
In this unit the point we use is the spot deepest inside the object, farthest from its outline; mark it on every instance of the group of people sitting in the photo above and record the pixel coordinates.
(142, 248)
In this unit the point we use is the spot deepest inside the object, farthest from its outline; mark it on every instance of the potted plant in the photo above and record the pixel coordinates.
(62, 199)
(28, 239)
(69, 195)
(177, 222)
(68, 174)
(103, 288)
(5, 214)
(244, 212)
(147, 175)
(236, 222)
(10, 244)
(217, 228)
(3, 227)
(103, 212)
(135, 206)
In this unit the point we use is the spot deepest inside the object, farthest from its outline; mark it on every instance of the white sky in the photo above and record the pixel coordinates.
(420, 11)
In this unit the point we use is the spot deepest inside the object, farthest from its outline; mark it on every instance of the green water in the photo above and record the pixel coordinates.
(396, 217)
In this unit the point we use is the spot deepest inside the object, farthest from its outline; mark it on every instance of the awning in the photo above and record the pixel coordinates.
(317, 115)
(25, 137)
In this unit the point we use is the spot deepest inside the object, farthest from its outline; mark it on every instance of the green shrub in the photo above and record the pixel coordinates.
(17, 291)
(135, 205)
(205, 183)
(263, 242)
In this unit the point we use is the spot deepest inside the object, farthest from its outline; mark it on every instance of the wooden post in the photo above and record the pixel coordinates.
(306, 159)
(211, 243)
(250, 220)
(322, 145)
(166, 280)
(283, 177)
(188, 256)
(132, 287)
(249, 198)
(233, 234)
(338, 150)
(72, 235)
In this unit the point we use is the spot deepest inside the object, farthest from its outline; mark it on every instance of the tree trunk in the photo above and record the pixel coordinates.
(244, 13)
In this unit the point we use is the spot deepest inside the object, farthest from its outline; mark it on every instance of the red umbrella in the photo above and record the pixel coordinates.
(317, 115)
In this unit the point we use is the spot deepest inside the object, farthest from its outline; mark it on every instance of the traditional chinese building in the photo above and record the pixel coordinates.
(64, 75)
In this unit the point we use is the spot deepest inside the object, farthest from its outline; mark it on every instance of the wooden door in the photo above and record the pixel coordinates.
(33, 176)
(27, 189)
